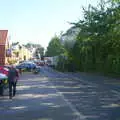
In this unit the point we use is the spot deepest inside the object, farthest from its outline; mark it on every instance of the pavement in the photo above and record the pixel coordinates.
(36, 99)
(95, 97)
(53, 95)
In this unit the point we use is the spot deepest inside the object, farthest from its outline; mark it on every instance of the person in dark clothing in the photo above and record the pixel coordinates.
(12, 79)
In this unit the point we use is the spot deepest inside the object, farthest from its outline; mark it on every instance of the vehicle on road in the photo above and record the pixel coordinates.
(37, 70)
(4, 70)
(3, 83)
(26, 66)
(40, 62)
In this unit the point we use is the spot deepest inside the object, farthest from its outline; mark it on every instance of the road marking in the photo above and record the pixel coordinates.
(116, 92)
(79, 115)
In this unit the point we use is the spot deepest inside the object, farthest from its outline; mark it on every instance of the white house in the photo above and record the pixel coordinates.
(70, 36)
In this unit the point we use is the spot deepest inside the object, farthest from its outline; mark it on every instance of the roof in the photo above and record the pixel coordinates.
(3, 36)
(71, 30)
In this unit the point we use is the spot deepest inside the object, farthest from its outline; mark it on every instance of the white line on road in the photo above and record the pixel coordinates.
(116, 92)
(80, 116)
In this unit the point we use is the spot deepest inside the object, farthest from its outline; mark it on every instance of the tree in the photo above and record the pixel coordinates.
(116, 0)
(54, 47)
(98, 44)
(29, 45)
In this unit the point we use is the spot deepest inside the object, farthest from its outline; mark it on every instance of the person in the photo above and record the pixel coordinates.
(13, 76)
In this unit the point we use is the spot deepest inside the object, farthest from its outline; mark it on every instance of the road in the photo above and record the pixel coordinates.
(52, 95)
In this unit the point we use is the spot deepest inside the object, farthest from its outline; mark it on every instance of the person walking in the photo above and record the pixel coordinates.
(13, 76)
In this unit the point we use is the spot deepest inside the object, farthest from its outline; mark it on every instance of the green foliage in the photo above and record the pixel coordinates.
(54, 48)
(98, 43)
(99, 40)
(116, 0)
(29, 45)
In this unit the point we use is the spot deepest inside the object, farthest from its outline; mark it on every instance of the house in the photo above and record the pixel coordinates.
(24, 53)
(4, 47)
(70, 36)
(20, 52)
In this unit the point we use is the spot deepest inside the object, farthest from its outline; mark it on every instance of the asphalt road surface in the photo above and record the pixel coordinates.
(52, 95)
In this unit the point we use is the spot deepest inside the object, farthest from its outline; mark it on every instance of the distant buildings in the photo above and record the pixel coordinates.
(20, 52)
(12, 53)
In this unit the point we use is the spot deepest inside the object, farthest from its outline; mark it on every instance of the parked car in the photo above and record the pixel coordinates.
(40, 62)
(4, 70)
(3, 83)
(26, 66)
(21, 61)
(3, 78)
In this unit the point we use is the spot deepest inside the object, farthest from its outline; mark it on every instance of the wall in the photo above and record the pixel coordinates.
(2, 54)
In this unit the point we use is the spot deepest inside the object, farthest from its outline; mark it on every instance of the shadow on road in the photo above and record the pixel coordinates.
(36, 99)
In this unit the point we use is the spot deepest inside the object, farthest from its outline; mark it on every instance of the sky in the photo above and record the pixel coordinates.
(37, 21)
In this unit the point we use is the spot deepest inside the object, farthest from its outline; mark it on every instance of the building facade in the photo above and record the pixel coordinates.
(4, 47)
(20, 53)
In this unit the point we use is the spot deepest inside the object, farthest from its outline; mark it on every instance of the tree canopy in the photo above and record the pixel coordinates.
(54, 47)
(97, 47)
